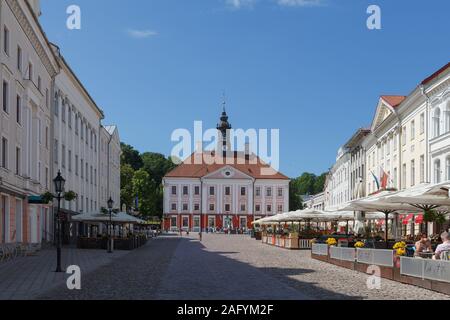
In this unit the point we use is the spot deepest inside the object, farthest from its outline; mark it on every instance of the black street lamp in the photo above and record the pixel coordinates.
(110, 209)
(59, 189)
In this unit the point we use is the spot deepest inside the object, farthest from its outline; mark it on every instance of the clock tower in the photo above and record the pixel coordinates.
(224, 143)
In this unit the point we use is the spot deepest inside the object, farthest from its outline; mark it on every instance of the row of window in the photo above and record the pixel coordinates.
(17, 163)
(437, 128)
(412, 175)
(82, 129)
(212, 191)
(83, 170)
(227, 207)
(19, 64)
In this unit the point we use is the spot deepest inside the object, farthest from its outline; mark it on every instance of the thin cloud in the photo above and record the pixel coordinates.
(141, 34)
(300, 3)
(239, 4)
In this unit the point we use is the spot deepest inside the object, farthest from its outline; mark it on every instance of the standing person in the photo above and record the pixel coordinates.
(444, 247)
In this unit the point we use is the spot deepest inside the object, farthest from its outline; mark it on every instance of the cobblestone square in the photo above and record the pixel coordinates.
(224, 267)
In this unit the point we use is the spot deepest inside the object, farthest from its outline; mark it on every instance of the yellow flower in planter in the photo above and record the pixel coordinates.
(401, 252)
(331, 242)
(359, 244)
(400, 245)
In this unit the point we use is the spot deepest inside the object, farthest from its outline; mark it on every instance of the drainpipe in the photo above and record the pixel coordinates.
(427, 145)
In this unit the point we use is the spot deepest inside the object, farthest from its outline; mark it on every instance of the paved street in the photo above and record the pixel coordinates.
(221, 267)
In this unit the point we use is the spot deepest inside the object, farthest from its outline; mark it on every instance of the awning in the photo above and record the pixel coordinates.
(407, 219)
(419, 219)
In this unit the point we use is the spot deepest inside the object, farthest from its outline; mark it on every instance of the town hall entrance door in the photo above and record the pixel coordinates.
(228, 223)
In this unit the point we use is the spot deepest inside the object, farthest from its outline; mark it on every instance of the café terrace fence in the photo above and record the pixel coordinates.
(320, 249)
(367, 256)
(342, 253)
(437, 270)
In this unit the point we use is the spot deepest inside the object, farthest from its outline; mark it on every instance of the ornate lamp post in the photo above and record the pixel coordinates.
(110, 209)
(59, 189)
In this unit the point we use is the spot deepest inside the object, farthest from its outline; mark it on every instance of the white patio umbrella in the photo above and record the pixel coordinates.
(95, 217)
(424, 197)
(379, 203)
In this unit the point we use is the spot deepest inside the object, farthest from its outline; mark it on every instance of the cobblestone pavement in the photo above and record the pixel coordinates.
(26, 277)
(220, 267)
(314, 279)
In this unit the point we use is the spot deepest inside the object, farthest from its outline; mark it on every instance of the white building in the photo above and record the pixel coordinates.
(75, 132)
(109, 165)
(437, 91)
(316, 202)
(337, 185)
(28, 67)
(48, 123)
(357, 153)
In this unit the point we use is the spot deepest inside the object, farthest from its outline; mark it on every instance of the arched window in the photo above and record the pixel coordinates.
(437, 123)
(447, 167)
(447, 118)
(437, 171)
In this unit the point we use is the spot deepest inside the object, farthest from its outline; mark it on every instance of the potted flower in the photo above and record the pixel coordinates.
(359, 245)
(331, 242)
(400, 251)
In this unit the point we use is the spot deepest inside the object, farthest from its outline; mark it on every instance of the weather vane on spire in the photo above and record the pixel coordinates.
(224, 102)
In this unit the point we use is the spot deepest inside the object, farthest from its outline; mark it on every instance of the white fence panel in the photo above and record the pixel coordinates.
(437, 270)
(304, 244)
(335, 253)
(376, 257)
(348, 254)
(411, 267)
(343, 253)
(319, 249)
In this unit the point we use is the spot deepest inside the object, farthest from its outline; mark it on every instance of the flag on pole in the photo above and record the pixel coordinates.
(376, 180)
(384, 179)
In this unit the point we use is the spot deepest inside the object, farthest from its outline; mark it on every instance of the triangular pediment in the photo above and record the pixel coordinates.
(384, 111)
(227, 172)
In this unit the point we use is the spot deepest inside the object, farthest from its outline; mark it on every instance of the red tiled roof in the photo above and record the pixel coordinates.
(436, 74)
(393, 101)
(190, 169)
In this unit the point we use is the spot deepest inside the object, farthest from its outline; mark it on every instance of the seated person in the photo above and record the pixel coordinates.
(423, 245)
(444, 247)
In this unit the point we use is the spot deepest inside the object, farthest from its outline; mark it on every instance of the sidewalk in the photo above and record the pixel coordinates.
(25, 278)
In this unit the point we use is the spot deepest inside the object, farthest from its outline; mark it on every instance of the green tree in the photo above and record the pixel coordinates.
(295, 200)
(319, 184)
(156, 165)
(306, 183)
(126, 185)
(131, 156)
(144, 189)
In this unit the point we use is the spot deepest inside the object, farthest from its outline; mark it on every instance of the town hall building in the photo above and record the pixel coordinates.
(228, 194)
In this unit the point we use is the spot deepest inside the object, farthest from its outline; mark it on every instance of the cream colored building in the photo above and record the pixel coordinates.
(27, 69)
(109, 166)
(49, 122)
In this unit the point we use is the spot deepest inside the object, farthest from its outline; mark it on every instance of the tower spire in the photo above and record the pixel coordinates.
(223, 127)
(224, 102)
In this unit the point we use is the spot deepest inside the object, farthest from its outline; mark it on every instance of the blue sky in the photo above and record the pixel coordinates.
(309, 68)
